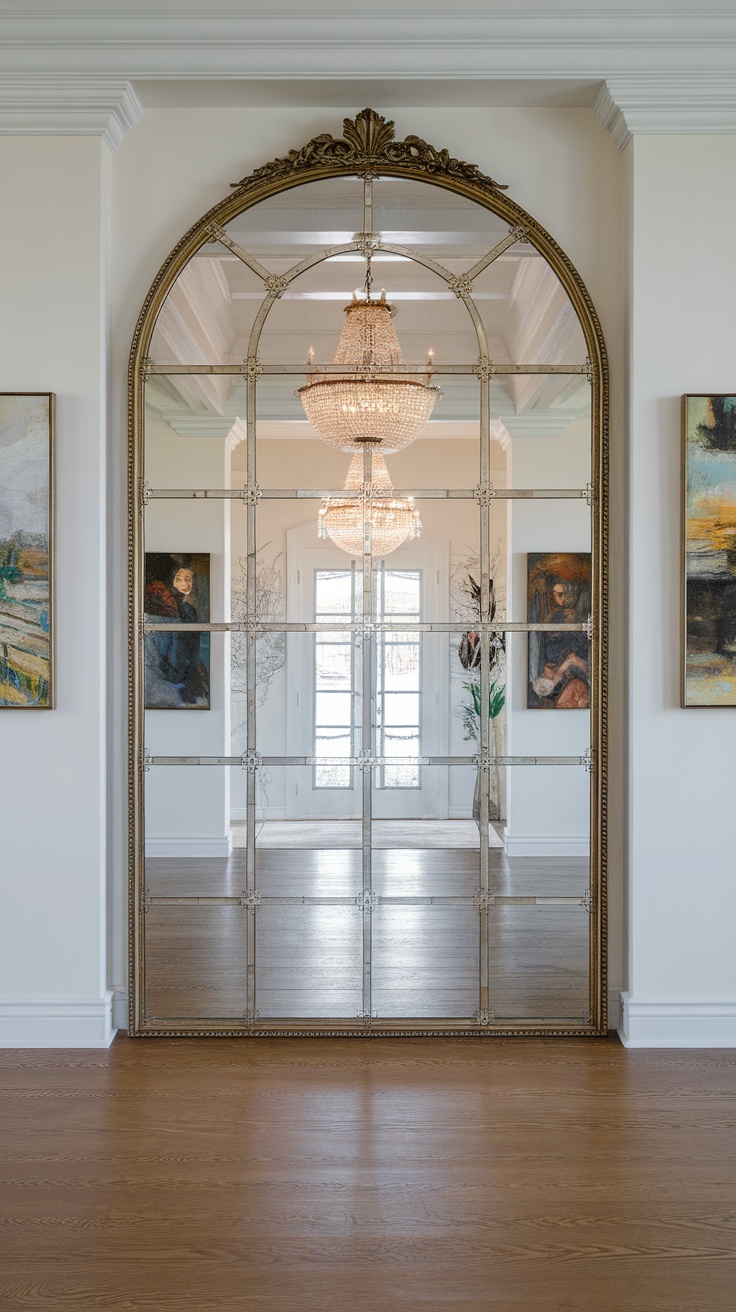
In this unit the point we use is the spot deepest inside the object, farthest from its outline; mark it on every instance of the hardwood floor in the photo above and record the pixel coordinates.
(425, 951)
(416, 1175)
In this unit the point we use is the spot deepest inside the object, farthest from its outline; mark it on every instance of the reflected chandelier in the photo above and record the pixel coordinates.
(388, 411)
(390, 519)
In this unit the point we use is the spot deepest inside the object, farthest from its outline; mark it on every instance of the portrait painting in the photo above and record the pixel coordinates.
(26, 609)
(709, 538)
(559, 592)
(177, 664)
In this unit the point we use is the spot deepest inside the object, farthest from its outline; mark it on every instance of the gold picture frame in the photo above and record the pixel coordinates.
(708, 624)
(27, 602)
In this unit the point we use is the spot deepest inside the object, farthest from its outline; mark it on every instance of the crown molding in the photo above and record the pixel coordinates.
(35, 105)
(333, 41)
(661, 103)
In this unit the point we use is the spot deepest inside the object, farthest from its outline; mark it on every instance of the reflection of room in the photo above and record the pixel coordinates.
(339, 708)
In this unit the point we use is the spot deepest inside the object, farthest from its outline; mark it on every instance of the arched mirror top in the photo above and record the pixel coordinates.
(437, 213)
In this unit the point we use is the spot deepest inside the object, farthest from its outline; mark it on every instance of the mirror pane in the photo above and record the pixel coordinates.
(425, 961)
(207, 315)
(541, 432)
(309, 961)
(548, 672)
(527, 314)
(548, 562)
(188, 810)
(549, 814)
(539, 954)
(193, 425)
(195, 962)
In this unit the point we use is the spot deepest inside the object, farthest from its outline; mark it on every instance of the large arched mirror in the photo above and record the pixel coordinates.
(367, 625)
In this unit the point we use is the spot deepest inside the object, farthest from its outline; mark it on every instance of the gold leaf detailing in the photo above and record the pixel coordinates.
(369, 134)
(368, 141)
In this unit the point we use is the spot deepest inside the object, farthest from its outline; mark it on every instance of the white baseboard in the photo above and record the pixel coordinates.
(198, 846)
(678, 1023)
(238, 816)
(615, 1008)
(546, 844)
(56, 1022)
(120, 1009)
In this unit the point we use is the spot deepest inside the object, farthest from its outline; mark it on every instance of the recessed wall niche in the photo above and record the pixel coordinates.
(387, 814)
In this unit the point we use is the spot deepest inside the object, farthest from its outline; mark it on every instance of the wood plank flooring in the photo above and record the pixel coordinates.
(417, 1175)
(309, 958)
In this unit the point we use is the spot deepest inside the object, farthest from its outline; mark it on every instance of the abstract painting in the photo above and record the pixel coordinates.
(26, 612)
(709, 493)
(177, 665)
(558, 592)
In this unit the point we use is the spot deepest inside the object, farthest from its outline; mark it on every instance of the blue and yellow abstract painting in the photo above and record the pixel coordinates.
(709, 439)
(25, 544)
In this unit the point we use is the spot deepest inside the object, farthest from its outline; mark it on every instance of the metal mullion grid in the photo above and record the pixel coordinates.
(367, 743)
(297, 370)
(359, 760)
(250, 675)
(483, 744)
(319, 494)
(358, 626)
(406, 900)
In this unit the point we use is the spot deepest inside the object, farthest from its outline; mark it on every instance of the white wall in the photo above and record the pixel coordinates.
(682, 891)
(548, 806)
(188, 807)
(53, 337)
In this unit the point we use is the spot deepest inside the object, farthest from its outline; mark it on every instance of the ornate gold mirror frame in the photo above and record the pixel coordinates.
(368, 149)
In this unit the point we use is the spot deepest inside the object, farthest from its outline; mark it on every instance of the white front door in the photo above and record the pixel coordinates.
(409, 695)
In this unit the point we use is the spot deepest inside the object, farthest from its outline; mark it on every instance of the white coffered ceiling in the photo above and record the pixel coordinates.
(525, 312)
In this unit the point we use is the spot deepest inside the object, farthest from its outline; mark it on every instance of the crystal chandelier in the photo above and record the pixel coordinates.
(390, 520)
(388, 411)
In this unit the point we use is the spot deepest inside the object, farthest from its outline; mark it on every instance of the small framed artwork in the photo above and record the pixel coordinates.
(558, 591)
(177, 664)
(709, 550)
(26, 550)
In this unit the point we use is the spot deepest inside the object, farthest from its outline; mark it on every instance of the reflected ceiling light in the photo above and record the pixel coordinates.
(387, 410)
(391, 520)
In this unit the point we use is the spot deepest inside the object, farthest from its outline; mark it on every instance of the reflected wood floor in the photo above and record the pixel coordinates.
(368, 1175)
(425, 957)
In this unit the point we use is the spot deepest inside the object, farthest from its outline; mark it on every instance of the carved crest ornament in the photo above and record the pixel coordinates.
(368, 143)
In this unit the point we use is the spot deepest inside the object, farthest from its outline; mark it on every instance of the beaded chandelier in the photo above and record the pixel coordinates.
(391, 520)
(388, 411)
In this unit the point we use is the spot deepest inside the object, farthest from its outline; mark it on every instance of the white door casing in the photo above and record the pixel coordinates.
(306, 554)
